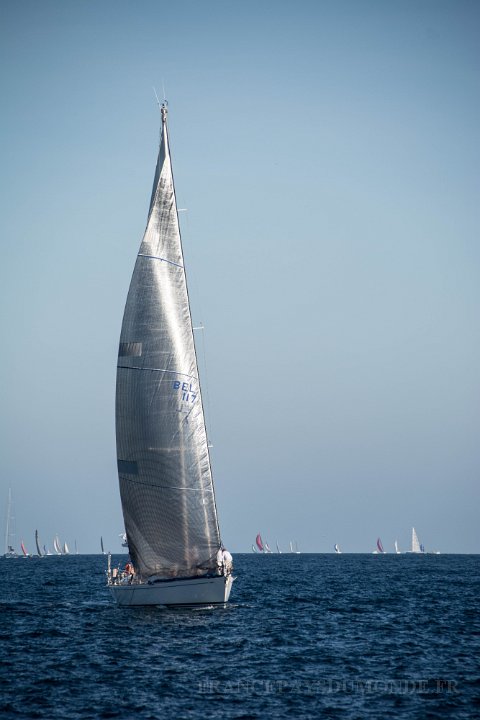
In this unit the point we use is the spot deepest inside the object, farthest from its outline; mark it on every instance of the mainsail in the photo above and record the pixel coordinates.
(164, 467)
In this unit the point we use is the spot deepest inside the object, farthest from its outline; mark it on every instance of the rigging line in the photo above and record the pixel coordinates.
(158, 101)
(205, 385)
(171, 372)
(157, 257)
(207, 394)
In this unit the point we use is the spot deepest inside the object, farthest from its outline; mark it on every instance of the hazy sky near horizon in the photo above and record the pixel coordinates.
(327, 154)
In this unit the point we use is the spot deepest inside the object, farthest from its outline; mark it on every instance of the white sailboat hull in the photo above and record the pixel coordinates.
(192, 591)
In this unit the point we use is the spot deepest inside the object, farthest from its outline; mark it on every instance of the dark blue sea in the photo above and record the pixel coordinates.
(304, 636)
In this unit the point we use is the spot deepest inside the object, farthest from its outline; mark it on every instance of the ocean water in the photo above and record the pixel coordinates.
(304, 636)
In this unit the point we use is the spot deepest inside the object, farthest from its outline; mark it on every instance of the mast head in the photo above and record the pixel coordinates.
(164, 111)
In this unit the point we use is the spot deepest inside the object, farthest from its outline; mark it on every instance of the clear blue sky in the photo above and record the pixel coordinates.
(328, 156)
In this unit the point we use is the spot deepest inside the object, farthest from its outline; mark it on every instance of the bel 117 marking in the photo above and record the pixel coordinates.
(188, 395)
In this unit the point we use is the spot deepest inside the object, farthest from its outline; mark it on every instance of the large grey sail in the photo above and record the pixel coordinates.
(163, 459)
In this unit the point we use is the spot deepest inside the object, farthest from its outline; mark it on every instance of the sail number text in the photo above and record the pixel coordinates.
(188, 395)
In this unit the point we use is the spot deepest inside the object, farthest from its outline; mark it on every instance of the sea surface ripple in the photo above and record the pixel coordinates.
(304, 636)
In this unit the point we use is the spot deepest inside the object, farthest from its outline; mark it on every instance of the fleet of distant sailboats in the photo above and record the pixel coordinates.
(60, 548)
(263, 547)
(260, 546)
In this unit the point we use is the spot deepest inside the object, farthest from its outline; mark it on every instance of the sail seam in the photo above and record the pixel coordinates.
(157, 257)
(164, 487)
(171, 372)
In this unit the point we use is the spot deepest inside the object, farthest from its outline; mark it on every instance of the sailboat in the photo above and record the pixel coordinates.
(259, 543)
(278, 549)
(416, 547)
(397, 551)
(254, 549)
(24, 550)
(337, 549)
(56, 545)
(101, 545)
(10, 530)
(379, 549)
(37, 543)
(164, 470)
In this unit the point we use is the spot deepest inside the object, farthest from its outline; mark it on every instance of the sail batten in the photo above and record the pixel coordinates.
(164, 467)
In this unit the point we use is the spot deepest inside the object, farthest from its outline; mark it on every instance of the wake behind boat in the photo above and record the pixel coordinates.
(166, 485)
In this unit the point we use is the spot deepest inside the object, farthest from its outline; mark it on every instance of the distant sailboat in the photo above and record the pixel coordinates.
(65, 550)
(37, 543)
(254, 549)
(397, 551)
(10, 530)
(101, 545)
(267, 548)
(24, 549)
(337, 549)
(278, 549)
(56, 545)
(416, 547)
(379, 550)
(259, 543)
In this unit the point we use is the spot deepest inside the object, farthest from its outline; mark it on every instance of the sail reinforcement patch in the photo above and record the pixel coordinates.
(127, 467)
(130, 349)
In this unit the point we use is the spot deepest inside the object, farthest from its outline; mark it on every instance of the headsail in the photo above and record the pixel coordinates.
(164, 467)
(380, 546)
(259, 542)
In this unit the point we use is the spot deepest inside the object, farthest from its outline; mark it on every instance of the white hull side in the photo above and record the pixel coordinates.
(195, 591)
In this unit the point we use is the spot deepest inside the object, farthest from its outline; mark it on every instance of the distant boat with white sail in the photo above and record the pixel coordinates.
(336, 547)
(10, 529)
